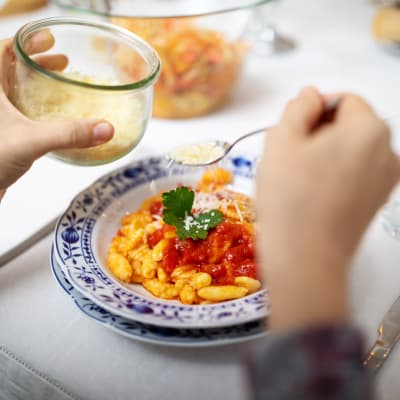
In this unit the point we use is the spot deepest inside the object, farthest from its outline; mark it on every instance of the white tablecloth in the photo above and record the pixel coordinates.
(41, 325)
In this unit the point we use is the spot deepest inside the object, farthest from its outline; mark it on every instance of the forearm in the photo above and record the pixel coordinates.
(304, 296)
(307, 281)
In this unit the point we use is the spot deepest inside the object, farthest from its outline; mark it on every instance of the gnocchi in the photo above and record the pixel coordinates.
(221, 267)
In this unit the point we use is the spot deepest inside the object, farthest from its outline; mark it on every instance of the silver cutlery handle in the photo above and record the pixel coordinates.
(376, 357)
(28, 242)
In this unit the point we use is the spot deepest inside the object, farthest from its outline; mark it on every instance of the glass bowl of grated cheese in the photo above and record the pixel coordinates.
(90, 84)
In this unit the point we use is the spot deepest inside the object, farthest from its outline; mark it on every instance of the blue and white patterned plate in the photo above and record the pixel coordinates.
(155, 334)
(84, 232)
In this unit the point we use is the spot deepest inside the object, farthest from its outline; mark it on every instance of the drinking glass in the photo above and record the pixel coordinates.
(263, 34)
(391, 211)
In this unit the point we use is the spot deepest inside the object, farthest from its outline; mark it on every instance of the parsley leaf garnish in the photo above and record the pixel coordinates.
(178, 201)
(177, 212)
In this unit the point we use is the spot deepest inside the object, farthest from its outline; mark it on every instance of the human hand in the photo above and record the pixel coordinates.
(318, 188)
(24, 140)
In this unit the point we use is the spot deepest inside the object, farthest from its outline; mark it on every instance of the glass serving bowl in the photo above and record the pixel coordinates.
(200, 43)
(90, 84)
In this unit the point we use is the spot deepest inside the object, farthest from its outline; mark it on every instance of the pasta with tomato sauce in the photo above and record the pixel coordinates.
(221, 267)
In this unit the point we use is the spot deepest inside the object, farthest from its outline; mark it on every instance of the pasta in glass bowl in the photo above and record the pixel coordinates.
(201, 46)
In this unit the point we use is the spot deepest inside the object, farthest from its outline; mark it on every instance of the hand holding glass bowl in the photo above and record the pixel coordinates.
(89, 84)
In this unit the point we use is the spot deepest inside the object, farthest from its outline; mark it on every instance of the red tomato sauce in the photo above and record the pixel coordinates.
(227, 252)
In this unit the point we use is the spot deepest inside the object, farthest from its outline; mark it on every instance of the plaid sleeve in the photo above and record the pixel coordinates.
(317, 364)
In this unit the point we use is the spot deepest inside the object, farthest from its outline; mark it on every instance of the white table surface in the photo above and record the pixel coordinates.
(40, 324)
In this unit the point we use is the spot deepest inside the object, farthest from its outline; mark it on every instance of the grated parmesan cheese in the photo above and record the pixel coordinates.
(189, 222)
(207, 201)
(43, 99)
(158, 222)
(227, 202)
(197, 153)
(236, 205)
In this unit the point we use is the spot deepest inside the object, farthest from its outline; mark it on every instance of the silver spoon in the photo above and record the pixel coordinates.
(207, 153)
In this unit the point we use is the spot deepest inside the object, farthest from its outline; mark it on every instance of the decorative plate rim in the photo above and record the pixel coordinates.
(74, 253)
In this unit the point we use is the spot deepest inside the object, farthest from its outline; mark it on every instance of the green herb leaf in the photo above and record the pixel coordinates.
(177, 212)
(210, 219)
(171, 219)
(179, 201)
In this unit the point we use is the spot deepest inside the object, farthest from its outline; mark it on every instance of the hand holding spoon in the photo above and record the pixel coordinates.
(207, 153)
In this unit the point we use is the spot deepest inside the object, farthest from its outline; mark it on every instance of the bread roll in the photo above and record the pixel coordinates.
(386, 24)
(16, 6)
